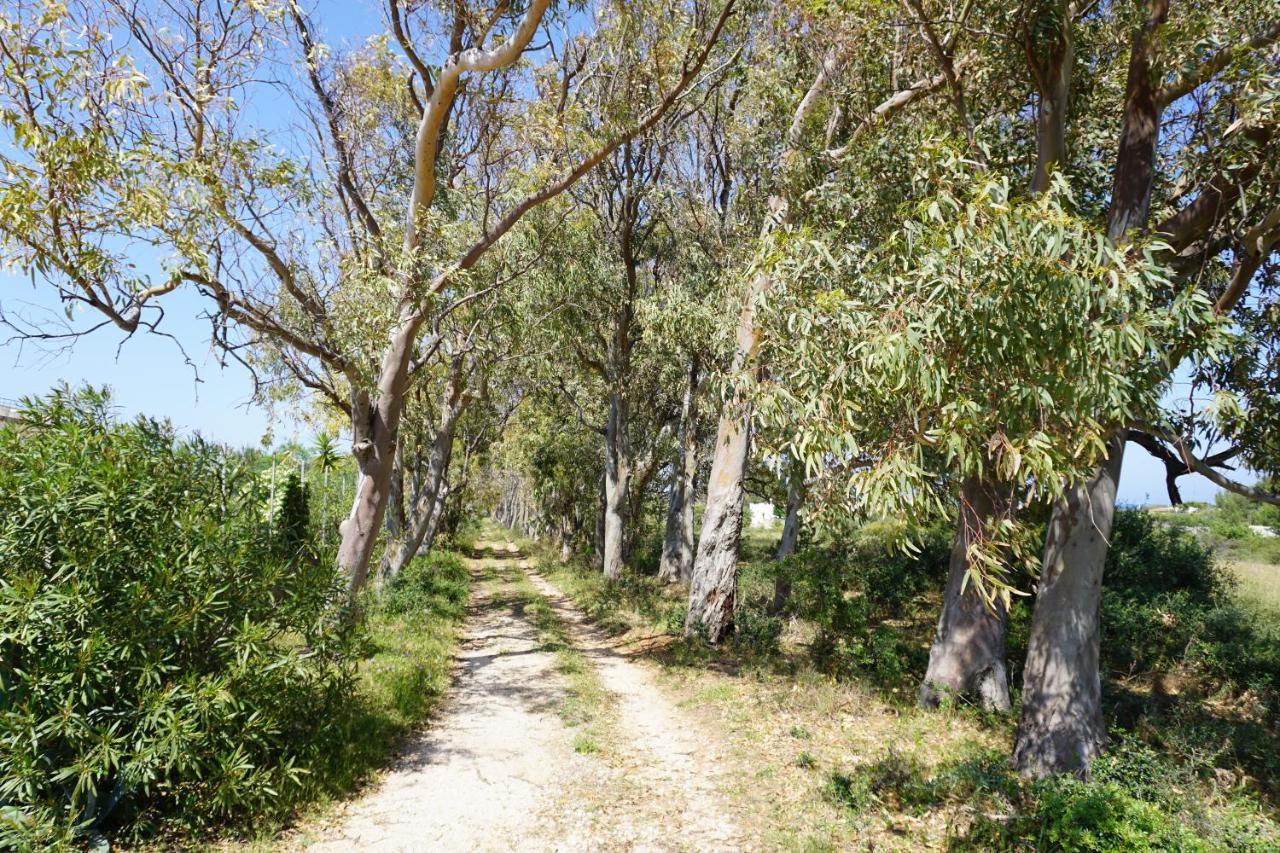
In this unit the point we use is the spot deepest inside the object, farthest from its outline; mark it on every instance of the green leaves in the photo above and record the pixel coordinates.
(164, 653)
(989, 336)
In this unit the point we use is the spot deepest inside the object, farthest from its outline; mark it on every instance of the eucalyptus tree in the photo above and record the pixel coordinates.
(1003, 336)
(128, 128)
(821, 112)
(704, 240)
(1196, 146)
(597, 286)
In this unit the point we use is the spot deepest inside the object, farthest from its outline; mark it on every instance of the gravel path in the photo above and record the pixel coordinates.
(497, 770)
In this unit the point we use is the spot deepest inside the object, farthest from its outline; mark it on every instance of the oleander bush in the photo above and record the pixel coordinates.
(171, 657)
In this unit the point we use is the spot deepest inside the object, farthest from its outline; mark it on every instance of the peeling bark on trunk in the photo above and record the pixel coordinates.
(967, 658)
(617, 481)
(429, 499)
(1061, 728)
(677, 545)
(713, 590)
(375, 423)
(787, 544)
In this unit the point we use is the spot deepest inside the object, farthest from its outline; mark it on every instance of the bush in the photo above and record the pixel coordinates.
(1166, 605)
(1071, 815)
(166, 663)
(756, 633)
(432, 585)
(851, 581)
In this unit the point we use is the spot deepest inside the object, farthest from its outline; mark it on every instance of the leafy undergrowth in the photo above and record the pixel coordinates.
(411, 633)
(817, 706)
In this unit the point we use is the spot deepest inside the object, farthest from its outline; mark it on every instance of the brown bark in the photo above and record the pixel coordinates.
(1052, 70)
(428, 500)
(1061, 728)
(967, 658)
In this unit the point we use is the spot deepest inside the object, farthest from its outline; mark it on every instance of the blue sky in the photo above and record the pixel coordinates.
(148, 373)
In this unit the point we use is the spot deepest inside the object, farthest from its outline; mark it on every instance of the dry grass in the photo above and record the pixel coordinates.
(790, 735)
(1259, 587)
(787, 730)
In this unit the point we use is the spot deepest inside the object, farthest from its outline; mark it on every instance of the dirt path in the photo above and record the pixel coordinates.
(497, 771)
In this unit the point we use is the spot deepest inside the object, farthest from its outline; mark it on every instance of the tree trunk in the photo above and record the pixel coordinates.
(374, 425)
(597, 545)
(967, 657)
(787, 544)
(437, 515)
(617, 481)
(713, 589)
(1061, 728)
(428, 501)
(677, 545)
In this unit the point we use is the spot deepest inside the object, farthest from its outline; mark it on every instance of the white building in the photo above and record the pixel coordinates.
(762, 514)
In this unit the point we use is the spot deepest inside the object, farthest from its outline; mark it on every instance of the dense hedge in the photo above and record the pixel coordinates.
(169, 652)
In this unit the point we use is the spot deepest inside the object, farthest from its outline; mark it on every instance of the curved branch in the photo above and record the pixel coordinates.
(440, 102)
(1212, 475)
(1187, 83)
(895, 103)
(406, 45)
(555, 188)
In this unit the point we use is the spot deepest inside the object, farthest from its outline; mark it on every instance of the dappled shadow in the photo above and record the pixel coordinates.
(1229, 740)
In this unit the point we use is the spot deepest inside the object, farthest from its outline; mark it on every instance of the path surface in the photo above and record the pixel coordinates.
(497, 770)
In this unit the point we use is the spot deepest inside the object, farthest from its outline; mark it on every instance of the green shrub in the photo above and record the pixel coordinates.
(850, 581)
(1071, 815)
(1166, 604)
(165, 665)
(432, 585)
(756, 633)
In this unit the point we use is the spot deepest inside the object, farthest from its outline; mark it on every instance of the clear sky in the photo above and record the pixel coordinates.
(149, 375)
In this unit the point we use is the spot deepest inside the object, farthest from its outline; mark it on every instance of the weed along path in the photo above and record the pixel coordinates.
(549, 739)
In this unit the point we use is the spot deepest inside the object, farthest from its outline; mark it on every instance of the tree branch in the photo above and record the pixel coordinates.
(1187, 83)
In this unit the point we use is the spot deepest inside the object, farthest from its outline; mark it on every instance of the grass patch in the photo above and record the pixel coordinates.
(586, 704)
(1259, 588)
(817, 707)
(412, 628)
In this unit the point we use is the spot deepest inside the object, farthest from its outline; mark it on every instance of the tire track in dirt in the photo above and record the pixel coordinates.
(674, 774)
(497, 771)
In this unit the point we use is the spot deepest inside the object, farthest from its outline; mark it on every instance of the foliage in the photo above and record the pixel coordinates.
(291, 517)
(934, 353)
(1135, 800)
(166, 662)
(1167, 605)
(432, 585)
